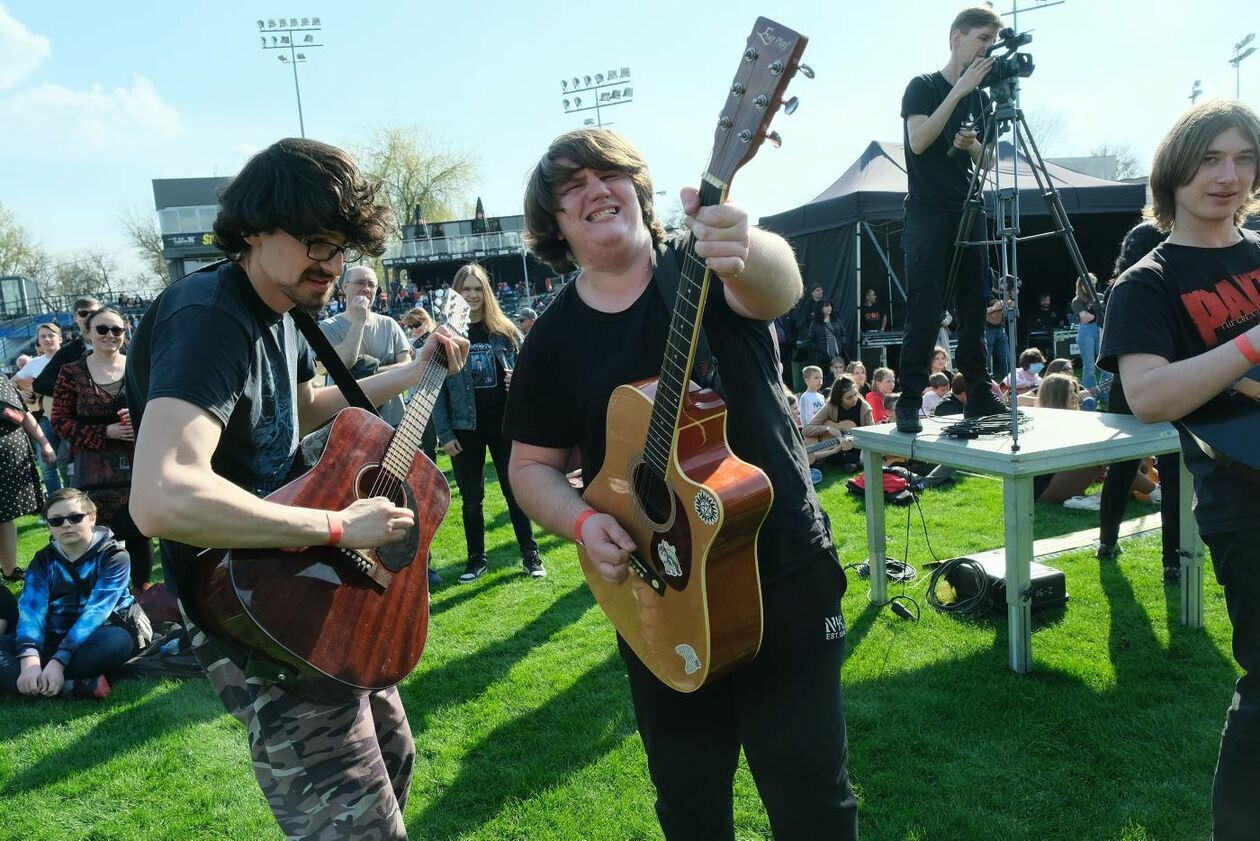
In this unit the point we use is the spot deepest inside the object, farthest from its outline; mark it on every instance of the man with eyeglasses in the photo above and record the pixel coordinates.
(221, 385)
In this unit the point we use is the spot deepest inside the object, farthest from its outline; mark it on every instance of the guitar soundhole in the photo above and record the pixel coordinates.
(373, 482)
(654, 495)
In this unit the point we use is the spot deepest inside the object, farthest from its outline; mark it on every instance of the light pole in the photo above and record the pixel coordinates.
(1239, 55)
(605, 90)
(283, 34)
(1196, 91)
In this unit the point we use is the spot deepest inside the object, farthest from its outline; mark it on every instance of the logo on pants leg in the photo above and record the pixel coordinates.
(833, 627)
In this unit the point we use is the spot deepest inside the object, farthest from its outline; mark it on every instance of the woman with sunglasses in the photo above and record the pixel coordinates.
(67, 636)
(90, 411)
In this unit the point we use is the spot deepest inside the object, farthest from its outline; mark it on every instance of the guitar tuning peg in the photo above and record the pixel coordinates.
(774, 139)
(807, 71)
(789, 105)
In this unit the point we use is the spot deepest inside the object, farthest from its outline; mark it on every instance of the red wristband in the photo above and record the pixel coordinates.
(1247, 348)
(581, 521)
(335, 529)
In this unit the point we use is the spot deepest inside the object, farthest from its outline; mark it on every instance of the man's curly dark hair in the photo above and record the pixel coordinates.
(302, 187)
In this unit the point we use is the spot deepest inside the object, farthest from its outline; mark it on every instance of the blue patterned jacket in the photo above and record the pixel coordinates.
(54, 606)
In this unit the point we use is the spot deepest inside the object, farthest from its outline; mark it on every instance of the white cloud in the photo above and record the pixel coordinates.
(21, 51)
(52, 122)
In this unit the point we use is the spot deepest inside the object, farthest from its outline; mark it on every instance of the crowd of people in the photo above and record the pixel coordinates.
(221, 431)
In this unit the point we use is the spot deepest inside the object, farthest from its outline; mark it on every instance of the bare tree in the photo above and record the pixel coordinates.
(91, 272)
(141, 230)
(1049, 129)
(415, 171)
(1127, 163)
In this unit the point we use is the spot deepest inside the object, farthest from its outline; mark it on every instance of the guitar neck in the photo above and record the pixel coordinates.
(406, 441)
(680, 343)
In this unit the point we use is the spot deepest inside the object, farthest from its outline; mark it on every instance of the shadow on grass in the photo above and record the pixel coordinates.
(525, 756)
(468, 677)
(464, 592)
(125, 728)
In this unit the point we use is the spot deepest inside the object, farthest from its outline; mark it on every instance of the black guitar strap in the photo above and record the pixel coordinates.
(668, 278)
(326, 354)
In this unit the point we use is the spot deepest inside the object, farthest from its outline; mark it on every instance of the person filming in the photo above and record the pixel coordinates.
(944, 112)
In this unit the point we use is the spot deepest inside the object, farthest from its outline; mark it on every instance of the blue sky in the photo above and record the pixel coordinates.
(97, 100)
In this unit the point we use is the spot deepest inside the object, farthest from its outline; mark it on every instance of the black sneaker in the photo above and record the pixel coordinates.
(984, 403)
(533, 565)
(907, 418)
(475, 568)
(17, 575)
(96, 688)
(1108, 551)
(1172, 574)
(434, 578)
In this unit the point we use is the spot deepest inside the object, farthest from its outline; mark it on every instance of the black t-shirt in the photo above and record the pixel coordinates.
(872, 318)
(1178, 302)
(486, 374)
(937, 181)
(210, 340)
(576, 356)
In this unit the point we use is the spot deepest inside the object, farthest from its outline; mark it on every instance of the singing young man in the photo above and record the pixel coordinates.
(946, 111)
(221, 388)
(1183, 326)
(588, 205)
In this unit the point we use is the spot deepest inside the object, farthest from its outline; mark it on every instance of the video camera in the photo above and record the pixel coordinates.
(1012, 65)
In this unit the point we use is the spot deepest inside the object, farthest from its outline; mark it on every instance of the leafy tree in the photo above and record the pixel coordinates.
(19, 254)
(414, 170)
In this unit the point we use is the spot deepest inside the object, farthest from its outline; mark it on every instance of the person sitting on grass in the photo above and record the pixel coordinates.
(1028, 375)
(66, 642)
(936, 392)
(882, 382)
(1061, 391)
(843, 410)
(856, 371)
(812, 399)
(836, 371)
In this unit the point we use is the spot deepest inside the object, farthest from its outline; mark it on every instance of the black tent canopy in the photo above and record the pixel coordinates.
(849, 237)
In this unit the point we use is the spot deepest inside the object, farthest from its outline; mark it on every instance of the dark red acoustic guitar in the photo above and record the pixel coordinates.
(334, 619)
(692, 609)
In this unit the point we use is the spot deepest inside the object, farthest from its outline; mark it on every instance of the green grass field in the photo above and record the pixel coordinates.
(524, 728)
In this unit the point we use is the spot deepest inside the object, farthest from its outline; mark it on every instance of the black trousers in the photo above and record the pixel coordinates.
(1119, 480)
(928, 245)
(470, 466)
(1236, 789)
(785, 708)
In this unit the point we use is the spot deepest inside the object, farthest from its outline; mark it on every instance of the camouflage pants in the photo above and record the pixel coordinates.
(328, 771)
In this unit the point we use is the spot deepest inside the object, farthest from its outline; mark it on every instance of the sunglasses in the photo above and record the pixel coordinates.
(84, 313)
(74, 519)
(102, 330)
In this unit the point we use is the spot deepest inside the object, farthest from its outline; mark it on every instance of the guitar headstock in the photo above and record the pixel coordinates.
(452, 311)
(770, 60)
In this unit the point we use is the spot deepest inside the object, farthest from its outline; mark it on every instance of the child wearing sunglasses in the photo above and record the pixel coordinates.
(69, 631)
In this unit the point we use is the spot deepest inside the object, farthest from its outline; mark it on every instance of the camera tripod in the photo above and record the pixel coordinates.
(1007, 116)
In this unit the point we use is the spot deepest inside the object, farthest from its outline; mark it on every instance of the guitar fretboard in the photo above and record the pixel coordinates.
(680, 348)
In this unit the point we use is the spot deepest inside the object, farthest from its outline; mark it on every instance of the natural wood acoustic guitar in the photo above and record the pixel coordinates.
(691, 610)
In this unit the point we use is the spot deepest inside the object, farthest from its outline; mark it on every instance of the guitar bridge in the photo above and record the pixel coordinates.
(643, 571)
(367, 566)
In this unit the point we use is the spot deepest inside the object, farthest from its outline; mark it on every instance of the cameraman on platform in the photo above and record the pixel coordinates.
(944, 115)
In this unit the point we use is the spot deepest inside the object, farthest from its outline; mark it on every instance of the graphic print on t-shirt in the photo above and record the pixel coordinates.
(274, 431)
(481, 367)
(1230, 303)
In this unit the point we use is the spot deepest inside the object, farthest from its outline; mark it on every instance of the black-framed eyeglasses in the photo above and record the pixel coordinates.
(75, 519)
(322, 251)
(84, 313)
(105, 330)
